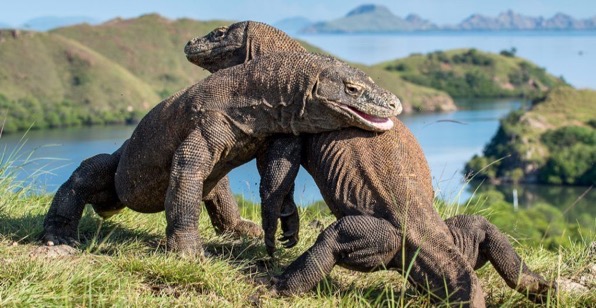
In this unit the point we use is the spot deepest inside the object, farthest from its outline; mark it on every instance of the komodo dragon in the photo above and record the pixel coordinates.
(351, 167)
(187, 143)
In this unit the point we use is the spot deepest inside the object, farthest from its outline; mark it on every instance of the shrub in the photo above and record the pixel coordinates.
(568, 136)
(571, 165)
(508, 53)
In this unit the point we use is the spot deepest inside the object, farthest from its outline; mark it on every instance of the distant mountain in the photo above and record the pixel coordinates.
(510, 20)
(378, 18)
(46, 23)
(371, 18)
(293, 24)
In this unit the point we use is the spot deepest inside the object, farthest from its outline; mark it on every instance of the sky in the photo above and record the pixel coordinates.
(17, 12)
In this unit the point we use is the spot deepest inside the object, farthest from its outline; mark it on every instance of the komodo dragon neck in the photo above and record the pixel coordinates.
(261, 39)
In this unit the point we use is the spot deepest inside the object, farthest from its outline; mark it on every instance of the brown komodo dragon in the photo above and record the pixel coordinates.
(182, 148)
(361, 174)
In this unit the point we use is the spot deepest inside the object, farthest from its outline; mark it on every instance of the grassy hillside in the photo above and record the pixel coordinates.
(150, 47)
(414, 98)
(554, 142)
(51, 80)
(473, 73)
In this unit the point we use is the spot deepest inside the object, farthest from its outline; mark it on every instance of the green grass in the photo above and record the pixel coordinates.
(122, 262)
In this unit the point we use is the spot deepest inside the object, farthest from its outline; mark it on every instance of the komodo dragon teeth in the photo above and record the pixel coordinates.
(380, 189)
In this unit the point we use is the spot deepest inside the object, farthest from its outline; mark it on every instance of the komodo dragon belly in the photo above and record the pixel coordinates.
(143, 176)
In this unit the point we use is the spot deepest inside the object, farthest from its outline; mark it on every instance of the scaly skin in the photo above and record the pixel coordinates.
(184, 146)
(374, 184)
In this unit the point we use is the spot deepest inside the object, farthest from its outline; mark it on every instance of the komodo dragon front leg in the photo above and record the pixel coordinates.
(362, 243)
(277, 184)
(191, 164)
(92, 182)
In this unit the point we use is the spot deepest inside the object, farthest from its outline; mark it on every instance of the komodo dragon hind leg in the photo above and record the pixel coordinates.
(362, 243)
(276, 190)
(481, 241)
(92, 182)
(225, 213)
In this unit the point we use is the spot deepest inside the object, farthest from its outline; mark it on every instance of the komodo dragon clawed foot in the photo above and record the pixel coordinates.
(59, 235)
(290, 222)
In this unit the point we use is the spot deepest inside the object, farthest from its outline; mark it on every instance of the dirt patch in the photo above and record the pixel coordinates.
(52, 252)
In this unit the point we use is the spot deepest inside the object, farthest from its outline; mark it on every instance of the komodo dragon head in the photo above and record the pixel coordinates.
(353, 94)
(240, 42)
(350, 91)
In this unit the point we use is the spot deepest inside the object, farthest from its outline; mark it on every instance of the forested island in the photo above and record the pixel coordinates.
(552, 143)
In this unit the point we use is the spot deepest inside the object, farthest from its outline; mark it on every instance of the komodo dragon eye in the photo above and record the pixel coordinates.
(353, 89)
(219, 33)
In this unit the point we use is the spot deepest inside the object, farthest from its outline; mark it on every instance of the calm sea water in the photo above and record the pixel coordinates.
(447, 145)
(568, 54)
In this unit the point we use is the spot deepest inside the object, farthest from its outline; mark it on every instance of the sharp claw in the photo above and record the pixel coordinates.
(291, 243)
(289, 233)
(73, 243)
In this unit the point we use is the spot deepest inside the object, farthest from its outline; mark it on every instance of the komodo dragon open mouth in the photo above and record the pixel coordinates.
(365, 120)
(376, 122)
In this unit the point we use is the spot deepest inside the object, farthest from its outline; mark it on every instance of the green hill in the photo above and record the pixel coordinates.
(51, 80)
(473, 73)
(554, 142)
(150, 47)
